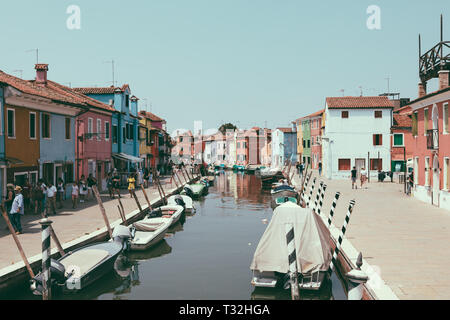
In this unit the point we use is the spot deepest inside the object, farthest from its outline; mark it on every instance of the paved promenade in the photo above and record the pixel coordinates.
(405, 238)
(70, 224)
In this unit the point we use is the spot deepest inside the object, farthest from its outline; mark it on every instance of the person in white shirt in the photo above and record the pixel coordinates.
(17, 210)
(75, 192)
(51, 198)
(363, 176)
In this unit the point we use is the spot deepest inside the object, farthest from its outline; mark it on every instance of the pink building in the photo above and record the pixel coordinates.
(184, 147)
(93, 146)
(316, 138)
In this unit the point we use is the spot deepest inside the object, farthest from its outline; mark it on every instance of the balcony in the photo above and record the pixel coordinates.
(433, 139)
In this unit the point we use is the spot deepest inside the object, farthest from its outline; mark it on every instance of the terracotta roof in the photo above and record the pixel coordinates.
(101, 90)
(150, 116)
(53, 91)
(285, 130)
(358, 102)
(402, 120)
(404, 110)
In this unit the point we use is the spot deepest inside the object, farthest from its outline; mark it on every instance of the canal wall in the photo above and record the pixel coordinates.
(16, 275)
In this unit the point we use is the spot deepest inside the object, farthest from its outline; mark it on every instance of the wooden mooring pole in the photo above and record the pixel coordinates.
(16, 240)
(137, 201)
(146, 198)
(58, 244)
(102, 209)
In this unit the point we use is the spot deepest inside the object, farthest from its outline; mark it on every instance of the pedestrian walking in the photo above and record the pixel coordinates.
(75, 193)
(51, 198)
(60, 188)
(410, 183)
(83, 189)
(110, 185)
(36, 197)
(363, 176)
(43, 187)
(26, 193)
(91, 181)
(17, 210)
(7, 203)
(354, 173)
(320, 168)
(116, 182)
(131, 183)
(146, 177)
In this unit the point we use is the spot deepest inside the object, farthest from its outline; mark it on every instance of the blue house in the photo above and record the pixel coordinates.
(125, 123)
(284, 146)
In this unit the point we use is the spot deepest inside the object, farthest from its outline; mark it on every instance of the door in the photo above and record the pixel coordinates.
(359, 164)
(436, 189)
(59, 172)
(47, 173)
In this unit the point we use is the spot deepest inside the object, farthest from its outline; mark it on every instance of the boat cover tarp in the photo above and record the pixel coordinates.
(311, 242)
(148, 226)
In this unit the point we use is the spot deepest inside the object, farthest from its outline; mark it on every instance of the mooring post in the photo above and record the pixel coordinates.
(356, 279)
(162, 190)
(102, 209)
(58, 244)
(122, 211)
(179, 179)
(46, 274)
(16, 240)
(333, 207)
(292, 258)
(121, 214)
(137, 201)
(319, 191)
(146, 198)
(184, 177)
(322, 195)
(311, 192)
(304, 186)
(174, 180)
(341, 237)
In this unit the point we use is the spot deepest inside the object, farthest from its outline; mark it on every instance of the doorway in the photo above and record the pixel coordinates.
(436, 189)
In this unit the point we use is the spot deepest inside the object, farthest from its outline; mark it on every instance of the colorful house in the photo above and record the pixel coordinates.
(183, 151)
(154, 142)
(284, 146)
(124, 123)
(402, 141)
(298, 124)
(306, 141)
(316, 138)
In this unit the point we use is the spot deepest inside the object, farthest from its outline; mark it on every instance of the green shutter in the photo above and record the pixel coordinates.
(398, 140)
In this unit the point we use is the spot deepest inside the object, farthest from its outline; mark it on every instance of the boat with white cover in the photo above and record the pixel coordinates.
(187, 201)
(312, 242)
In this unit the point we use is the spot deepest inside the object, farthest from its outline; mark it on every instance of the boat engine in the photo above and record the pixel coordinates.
(179, 201)
(57, 277)
(189, 192)
(122, 235)
(155, 213)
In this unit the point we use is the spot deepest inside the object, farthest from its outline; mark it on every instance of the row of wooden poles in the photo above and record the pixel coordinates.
(293, 269)
(47, 229)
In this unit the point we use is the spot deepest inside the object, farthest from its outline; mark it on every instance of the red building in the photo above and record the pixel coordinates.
(316, 138)
(402, 141)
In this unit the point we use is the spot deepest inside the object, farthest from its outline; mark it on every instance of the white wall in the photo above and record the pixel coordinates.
(277, 148)
(352, 138)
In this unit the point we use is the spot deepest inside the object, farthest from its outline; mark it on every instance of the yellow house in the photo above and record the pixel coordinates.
(145, 145)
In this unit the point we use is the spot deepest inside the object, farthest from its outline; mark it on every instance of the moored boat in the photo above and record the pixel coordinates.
(312, 244)
(195, 190)
(185, 201)
(280, 193)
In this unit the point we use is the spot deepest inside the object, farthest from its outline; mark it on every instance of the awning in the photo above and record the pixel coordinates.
(9, 160)
(126, 157)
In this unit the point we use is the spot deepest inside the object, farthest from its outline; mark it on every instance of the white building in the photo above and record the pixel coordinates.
(357, 133)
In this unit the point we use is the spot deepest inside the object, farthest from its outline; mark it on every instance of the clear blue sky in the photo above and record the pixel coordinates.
(240, 61)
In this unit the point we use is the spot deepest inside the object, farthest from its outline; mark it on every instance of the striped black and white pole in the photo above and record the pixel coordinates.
(341, 237)
(322, 195)
(292, 258)
(319, 191)
(46, 276)
(304, 188)
(333, 207)
(311, 192)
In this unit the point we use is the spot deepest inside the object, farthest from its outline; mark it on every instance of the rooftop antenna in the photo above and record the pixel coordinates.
(388, 84)
(361, 92)
(19, 71)
(37, 54)
(112, 66)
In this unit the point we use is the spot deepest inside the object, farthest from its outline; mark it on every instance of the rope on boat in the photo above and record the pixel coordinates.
(333, 207)
(341, 237)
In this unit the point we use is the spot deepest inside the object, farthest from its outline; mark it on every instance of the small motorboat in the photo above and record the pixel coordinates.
(148, 232)
(270, 264)
(280, 192)
(195, 190)
(182, 200)
(79, 268)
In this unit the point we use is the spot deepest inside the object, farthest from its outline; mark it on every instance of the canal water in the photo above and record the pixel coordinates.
(206, 256)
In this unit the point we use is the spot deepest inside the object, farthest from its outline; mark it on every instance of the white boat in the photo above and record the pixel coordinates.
(186, 202)
(150, 230)
(312, 242)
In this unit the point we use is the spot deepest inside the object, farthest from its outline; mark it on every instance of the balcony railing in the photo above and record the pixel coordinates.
(433, 139)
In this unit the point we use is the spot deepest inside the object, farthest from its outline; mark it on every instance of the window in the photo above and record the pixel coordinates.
(344, 164)
(427, 171)
(304, 143)
(378, 114)
(238, 145)
(90, 129)
(414, 124)
(106, 130)
(11, 123)
(376, 164)
(46, 126)
(127, 100)
(309, 143)
(398, 139)
(115, 134)
(344, 114)
(99, 129)
(425, 121)
(124, 134)
(377, 139)
(67, 128)
(32, 125)
(445, 118)
(416, 170)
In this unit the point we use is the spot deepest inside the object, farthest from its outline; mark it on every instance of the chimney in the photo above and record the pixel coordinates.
(422, 89)
(41, 73)
(443, 79)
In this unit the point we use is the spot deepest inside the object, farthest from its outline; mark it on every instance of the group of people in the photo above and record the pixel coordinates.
(362, 177)
(301, 168)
